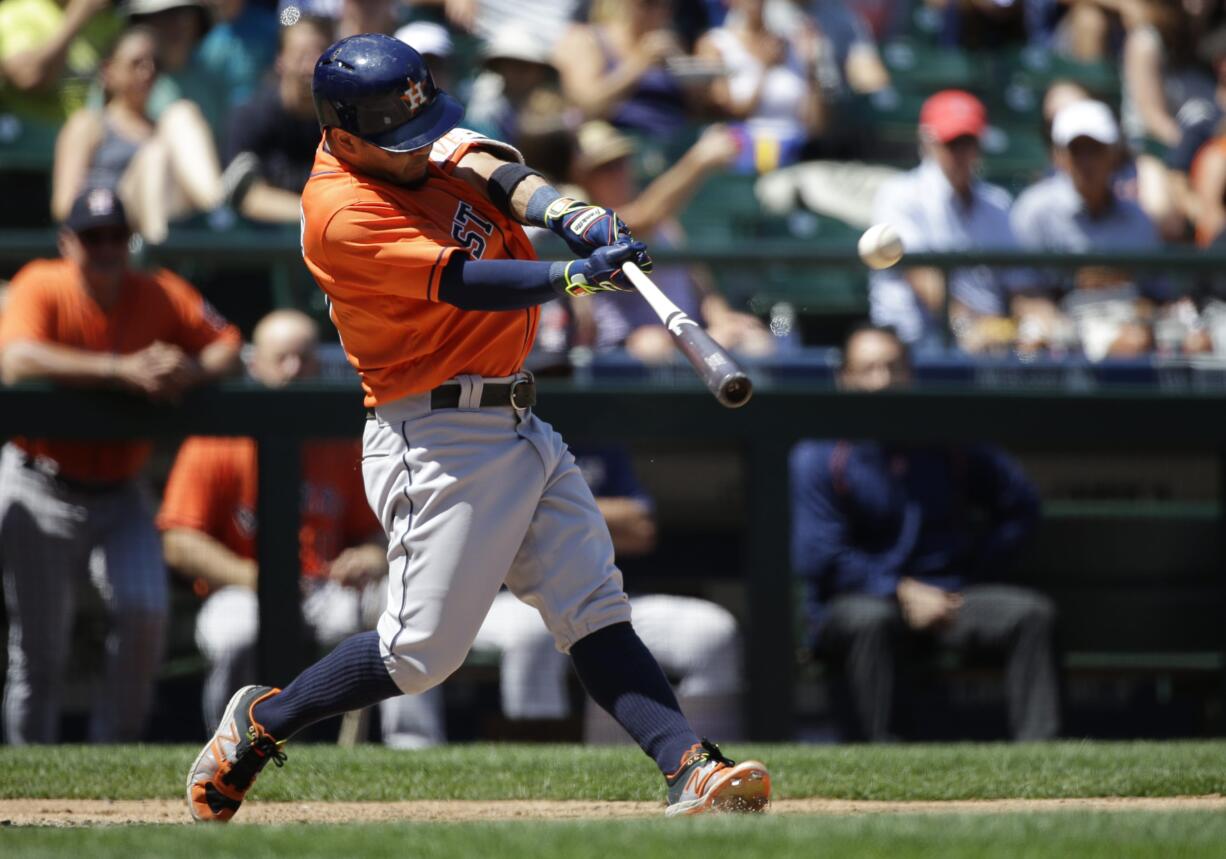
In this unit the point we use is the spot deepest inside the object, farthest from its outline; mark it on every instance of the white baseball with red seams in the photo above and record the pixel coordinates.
(880, 246)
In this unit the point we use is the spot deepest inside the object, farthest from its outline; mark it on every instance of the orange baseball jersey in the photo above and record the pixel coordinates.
(47, 303)
(213, 488)
(378, 250)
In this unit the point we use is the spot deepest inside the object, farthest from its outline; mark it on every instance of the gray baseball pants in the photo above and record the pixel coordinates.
(48, 533)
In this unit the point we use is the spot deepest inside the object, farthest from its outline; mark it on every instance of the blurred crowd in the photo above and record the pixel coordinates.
(199, 113)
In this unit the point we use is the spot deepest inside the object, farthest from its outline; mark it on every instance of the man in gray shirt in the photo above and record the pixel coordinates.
(1075, 210)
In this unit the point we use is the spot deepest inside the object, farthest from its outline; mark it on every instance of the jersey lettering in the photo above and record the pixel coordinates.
(467, 228)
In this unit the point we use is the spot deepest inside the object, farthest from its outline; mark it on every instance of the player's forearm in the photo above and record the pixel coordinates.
(196, 555)
(666, 195)
(28, 360)
(498, 284)
(263, 202)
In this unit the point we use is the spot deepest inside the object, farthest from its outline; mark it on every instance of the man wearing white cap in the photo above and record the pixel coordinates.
(1075, 210)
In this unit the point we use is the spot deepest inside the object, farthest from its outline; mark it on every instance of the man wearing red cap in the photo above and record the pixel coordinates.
(942, 206)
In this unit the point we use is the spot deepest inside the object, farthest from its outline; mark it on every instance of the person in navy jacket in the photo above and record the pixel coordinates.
(896, 542)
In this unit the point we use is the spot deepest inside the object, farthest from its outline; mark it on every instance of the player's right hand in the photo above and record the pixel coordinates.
(602, 271)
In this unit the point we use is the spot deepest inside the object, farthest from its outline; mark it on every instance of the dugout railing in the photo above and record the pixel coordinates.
(761, 434)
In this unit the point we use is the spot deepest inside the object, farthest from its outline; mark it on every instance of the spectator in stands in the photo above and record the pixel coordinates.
(516, 68)
(366, 16)
(1076, 210)
(1199, 155)
(898, 545)
(433, 42)
(349, 17)
(548, 19)
(179, 27)
(942, 206)
(603, 169)
(1159, 77)
(770, 81)
(49, 52)
(161, 170)
(847, 56)
(272, 141)
(1208, 179)
(209, 529)
(981, 24)
(1059, 94)
(88, 320)
(696, 641)
(239, 49)
(625, 66)
(1159, 73)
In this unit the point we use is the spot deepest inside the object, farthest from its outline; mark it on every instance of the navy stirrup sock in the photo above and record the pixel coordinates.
(622, 676)
(351, 677)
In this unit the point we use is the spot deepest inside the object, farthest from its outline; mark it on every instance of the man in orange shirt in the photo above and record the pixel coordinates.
(89, 320)
(414, 229)
(208, 526)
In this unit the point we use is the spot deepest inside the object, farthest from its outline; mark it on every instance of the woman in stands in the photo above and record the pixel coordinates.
(161, 170)
(770, 81)
(628, 66)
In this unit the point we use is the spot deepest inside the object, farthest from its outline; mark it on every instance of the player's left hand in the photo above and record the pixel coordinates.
(585, 227)
(602, 271)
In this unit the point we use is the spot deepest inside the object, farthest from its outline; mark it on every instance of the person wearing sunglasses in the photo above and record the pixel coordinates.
(74, 512)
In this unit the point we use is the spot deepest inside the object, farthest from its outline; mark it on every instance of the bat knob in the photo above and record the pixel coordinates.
(735, 391)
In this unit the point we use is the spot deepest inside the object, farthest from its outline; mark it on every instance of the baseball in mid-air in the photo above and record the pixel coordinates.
(880, 246)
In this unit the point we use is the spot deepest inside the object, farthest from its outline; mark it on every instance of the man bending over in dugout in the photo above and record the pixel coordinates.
(414, 229)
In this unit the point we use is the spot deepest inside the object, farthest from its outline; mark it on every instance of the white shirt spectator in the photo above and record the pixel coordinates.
(784, 87)
(929, 216)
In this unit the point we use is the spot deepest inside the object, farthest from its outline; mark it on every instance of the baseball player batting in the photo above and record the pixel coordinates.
(414, 230)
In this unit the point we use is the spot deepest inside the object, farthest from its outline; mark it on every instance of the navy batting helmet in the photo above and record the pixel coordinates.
(379, 88)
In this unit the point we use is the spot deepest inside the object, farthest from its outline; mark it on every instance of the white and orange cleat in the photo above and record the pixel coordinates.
(227, 766)
(708, 782)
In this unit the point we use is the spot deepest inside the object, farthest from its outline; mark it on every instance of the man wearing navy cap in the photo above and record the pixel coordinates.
(74, 510)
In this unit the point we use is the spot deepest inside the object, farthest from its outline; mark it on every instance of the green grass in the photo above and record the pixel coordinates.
(1086, 836)
(919, 772)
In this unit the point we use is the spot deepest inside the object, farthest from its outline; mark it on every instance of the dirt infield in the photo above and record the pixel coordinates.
(79, 812)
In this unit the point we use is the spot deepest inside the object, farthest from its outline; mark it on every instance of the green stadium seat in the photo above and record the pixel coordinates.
(25, 145)
(916, 66)
(27, 151)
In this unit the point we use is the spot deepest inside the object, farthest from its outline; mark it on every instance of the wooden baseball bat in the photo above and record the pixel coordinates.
(722, 376)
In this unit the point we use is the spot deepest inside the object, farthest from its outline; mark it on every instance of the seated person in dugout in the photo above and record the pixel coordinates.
(209, 534)
(899, 545)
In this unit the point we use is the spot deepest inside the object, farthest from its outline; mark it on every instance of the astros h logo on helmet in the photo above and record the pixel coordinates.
(415, 96)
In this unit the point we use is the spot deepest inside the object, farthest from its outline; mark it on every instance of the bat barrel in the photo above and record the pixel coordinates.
(717, 369)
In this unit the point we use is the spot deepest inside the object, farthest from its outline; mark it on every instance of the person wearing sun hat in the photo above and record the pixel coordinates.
(516, 76)
(942, 205)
